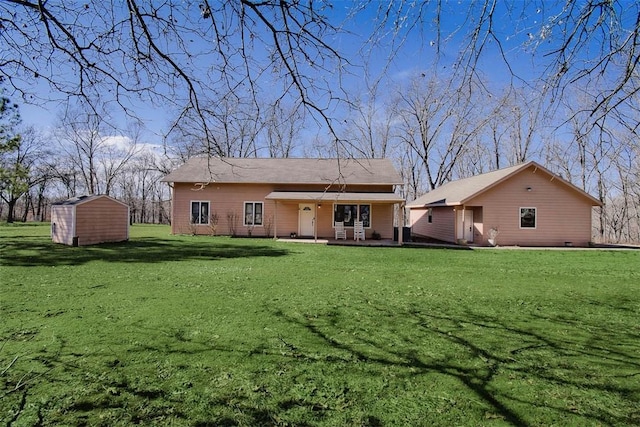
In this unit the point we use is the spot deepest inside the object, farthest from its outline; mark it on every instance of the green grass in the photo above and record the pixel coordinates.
(203, 331)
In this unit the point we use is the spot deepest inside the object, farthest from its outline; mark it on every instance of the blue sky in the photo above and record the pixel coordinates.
(418, 54)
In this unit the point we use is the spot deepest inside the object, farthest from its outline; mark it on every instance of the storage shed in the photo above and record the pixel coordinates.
(87, 220)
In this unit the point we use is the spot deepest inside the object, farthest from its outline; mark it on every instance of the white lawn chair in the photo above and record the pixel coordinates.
(341, 233)
(358, 230)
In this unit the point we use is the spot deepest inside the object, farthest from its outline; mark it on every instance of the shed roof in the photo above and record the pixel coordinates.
(78, 200)
(285, 171)
(461, 191)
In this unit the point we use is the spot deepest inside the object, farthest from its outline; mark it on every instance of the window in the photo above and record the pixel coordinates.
(199, 212)
(253, 213)
(430, 215)
(350, 213)
(527, 217)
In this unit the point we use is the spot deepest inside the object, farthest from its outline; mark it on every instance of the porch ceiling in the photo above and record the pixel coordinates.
(310, 196)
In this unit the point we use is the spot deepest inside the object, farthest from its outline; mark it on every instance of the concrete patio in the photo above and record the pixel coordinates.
(348, 242)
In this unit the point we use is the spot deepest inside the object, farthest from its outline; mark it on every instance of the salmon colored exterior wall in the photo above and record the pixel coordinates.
(96, 221)
(441, 228)
(563, 215)
(225, 198)
(102, 220)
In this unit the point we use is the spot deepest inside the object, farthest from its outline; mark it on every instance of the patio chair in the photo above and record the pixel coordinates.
(341, 233)
(358, 230)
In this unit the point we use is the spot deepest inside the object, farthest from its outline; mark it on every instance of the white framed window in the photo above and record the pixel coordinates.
(528, 218)
(253, 213)
(350, 213)
(430, 215)
(199, 212)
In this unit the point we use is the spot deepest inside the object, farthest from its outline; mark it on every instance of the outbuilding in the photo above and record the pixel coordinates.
(88, 220)
(523, 205)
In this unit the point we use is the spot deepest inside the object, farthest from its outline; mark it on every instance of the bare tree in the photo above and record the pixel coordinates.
(597, 153)
(183, 56)
(523, 119)
(37, 197)
(411, 169)
(591, 42)
(117, 153)
(80, 135)
(232, 130)
(86, 142)
(186, 56)
(370, 126)
(223, 68)
(438, 123)
(283, 129)
(139, 186)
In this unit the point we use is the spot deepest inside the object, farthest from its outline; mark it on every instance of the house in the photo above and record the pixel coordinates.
(525, 205)
(284, 197)
(87, 220)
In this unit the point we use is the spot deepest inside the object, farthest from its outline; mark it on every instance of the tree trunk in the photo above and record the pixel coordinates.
(11, 206)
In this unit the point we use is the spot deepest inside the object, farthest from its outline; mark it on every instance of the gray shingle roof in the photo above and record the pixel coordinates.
(459, 192)
(286, 171)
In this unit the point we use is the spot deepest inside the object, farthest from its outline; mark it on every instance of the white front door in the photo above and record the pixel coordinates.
(305, 219)
(465, 225)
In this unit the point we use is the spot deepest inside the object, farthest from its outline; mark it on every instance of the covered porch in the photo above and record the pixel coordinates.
(312, 215)
(347, 242)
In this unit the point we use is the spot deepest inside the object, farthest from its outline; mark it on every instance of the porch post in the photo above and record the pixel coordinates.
(315, 222)
(400, 223)
(458, 223)
(275, 221)
(464, 225)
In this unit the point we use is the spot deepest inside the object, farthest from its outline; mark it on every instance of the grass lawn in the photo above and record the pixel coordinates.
(204, 331)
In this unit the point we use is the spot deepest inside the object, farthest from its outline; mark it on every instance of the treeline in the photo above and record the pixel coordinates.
(38, 168)
(433, 130)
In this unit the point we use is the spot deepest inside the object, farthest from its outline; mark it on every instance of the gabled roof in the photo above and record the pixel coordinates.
(459, 192)
(78, 200)
(285, 171)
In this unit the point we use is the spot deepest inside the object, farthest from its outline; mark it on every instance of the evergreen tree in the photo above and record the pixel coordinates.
(13, 175)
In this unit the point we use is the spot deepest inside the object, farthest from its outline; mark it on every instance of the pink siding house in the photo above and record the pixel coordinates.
(283, 197)
(526, 205)
(88, 220)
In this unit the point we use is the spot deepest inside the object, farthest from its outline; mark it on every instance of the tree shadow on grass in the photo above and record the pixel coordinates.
(588, 358)
(31, 252)
(559, 355)
(117, 395)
